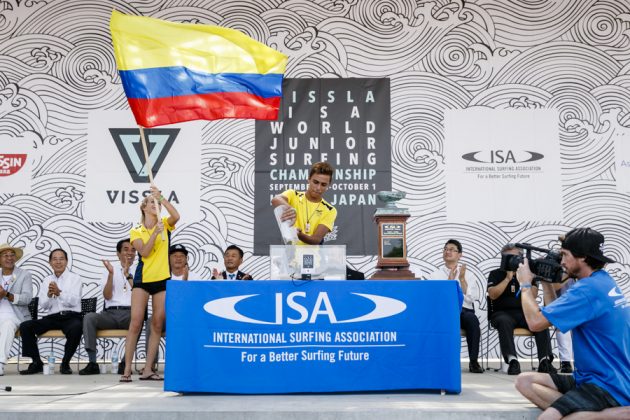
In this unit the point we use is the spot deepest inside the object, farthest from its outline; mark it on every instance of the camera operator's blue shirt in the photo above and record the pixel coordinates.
(597, 312)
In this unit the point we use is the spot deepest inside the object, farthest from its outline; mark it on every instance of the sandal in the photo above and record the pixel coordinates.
(152, 377)
(125, 378)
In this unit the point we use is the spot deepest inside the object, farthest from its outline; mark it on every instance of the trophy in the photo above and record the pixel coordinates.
(392, 261)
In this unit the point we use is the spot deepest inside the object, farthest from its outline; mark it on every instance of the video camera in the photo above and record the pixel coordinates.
(548, 267)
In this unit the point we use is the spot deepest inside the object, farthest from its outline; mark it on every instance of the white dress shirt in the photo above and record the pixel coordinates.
(442, 274)
(70, 297)
(121, 289)
(192, 276)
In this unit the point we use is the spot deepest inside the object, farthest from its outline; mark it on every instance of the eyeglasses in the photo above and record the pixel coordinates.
(451, 250)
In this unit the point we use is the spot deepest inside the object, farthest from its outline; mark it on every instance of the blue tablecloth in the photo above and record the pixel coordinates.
(262, 337)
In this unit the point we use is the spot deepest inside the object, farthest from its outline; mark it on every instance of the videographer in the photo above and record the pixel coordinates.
(507, 313)
(598, 314)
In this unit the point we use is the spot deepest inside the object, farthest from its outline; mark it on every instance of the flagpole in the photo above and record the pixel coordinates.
(149, 168)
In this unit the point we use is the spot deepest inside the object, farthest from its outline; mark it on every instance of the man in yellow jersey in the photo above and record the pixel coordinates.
(313, 216)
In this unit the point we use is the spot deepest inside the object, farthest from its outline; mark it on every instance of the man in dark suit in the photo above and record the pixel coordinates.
(232, 259)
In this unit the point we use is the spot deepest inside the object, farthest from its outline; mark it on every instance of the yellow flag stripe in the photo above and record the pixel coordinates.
(142, 42)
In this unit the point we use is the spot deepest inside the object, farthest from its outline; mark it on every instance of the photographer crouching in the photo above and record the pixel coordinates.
(598, 314)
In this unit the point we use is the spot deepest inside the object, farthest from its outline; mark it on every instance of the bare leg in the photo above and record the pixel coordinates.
(157, 322)
(139, 299)
(550, 414)
(538, 388)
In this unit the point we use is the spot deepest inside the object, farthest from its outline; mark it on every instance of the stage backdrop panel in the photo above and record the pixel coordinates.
(622, 161)
(345, 122)
(117, 174)
(16, 160)
(502, 164)
(259, 337)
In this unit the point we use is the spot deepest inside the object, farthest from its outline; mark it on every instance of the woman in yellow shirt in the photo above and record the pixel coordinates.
(151, 238)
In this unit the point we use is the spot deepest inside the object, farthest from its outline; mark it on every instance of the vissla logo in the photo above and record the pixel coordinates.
(225, 308)
(11, 163)
(129, 144)
(502, 156)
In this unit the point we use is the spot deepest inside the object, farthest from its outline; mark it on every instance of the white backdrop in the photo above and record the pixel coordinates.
(57, 67)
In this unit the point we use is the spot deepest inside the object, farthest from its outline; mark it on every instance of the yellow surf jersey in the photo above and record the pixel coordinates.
(309, 213)
(155, 267)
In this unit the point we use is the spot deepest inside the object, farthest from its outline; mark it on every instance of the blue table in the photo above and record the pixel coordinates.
(259, 337)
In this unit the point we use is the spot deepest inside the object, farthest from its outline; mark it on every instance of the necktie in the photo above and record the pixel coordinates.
(231, 276)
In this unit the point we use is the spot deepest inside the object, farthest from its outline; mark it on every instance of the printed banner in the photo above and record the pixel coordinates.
(322, 336)
(502, 164)
(117, 175)
(622, 163)
(16, 160)
(345, 122)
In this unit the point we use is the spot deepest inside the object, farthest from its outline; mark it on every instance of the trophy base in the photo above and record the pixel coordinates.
(401, 273)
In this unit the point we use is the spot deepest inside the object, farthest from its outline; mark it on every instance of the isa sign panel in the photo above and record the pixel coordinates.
(622, 161)
(280, 337)
(496, 158)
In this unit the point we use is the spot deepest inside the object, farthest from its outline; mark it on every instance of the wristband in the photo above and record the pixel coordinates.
(523, 286)
(162, 198)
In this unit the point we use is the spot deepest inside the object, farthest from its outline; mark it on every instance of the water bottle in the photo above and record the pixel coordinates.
(51, 364)
(115, 362)
(287, 230)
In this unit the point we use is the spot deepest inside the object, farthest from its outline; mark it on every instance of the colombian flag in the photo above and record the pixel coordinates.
(174, 72)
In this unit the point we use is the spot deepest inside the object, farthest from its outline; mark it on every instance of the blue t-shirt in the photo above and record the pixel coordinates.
(599, 315)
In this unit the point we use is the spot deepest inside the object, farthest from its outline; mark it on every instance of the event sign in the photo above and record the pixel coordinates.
(502, 164)
(319, 336)
(622, 161)
(16, 160)
(117, 174)
(345, 122)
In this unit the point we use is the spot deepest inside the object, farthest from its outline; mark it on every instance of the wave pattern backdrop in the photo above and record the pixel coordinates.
(57, 65)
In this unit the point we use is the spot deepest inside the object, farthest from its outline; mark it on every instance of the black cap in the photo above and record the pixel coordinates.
(177, 248)
(586, 242)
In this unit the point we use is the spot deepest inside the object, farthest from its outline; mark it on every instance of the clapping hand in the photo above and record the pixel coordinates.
(109, 267)
(462, 273)
(53, 289)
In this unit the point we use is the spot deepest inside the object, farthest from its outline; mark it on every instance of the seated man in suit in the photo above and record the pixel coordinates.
(60, 295)
(452, 270)
(117, 285)
(16, 291)
(507, 314)
(232, 259)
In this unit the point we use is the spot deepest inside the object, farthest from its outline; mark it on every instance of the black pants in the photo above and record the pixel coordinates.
(71, 325)
(469, 322)
(506, 321)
